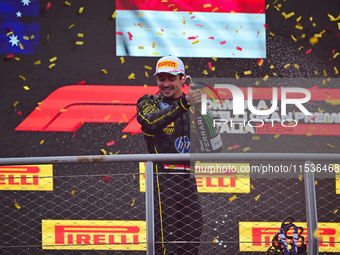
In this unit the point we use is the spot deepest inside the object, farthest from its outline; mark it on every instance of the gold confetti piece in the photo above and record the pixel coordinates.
(122, 60)
(80, 35)
(79, 42)
(215, 240)
(107, 117)
(214, 58)
(73, 192)
(267, 6)
(287, 65)
(277, 8)
(146, 74)
(140, 15)
(309, 134)
(335, 211)
(335, 55)
(232, 198)
(313, 40)
(67, 3)
(148, 67)
(301, 47)
(124, 136)
(81, 9)
(330, 145)
(276, 136)
(155, 53)
(48, 37)
(15, 103)
(255, 138)
(316, 233)
(32, 37)
(293, 38)
(17, 206)
(314, 25)
(42, 141)
(303, 35)
(134, 176)
(114, 15)
(175, 10)
(300, 177)
(325, 73)
(21, 47)
(103, 151)
(131, 76)
(159, 33)
(299, 27)
(140, 47)
(205, 72)
(116, 152)
(237, 77)
(272, 34)
(296, 66)
(331, 18)
(104, 71)
(68, 28)
(51, 66)
(336, 70)
(26, 38)
(247, 72)
(9, 33)
(207, 5)
(298, 19)
(215, 9)
(257, 197)
(195, 41)
(133, 202)
(64, 110)
(53, 59)
(153, 44)
(251, 186)
(26, 88)
(266, 77)
(246, 149)
(145, 86)
(316, 182)
(291, 14)
(38, 62)
(22, 77)
(17, 59)
(257, 83)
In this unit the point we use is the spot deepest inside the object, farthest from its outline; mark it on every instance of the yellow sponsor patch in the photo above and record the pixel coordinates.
(26, 177)
(172, 64)
(93, 235)
(257, 236)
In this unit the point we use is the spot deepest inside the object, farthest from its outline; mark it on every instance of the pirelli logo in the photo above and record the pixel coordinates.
(172, 64)
(257, 236)
(93, 235)
(28, 177)
(224, 182)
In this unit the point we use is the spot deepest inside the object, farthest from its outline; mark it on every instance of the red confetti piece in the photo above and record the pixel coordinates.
(258, 32)
(19, 112)
(265, 26)
(226, 27)
(74, 135)
(259, 62)
(210, 65)
(211, 37)
(308, 51)
(9, 56)
(192, 37)
(130, 36)
(130, 152)
(328, 30)
(81, 82)
(5, 44)
(14, 200)
(236, 146)
(192, 17)
(338, 35)
(119, 33)
(162, 29)
(199, 25)
(330, 59)
(9, 29)
(106, 178)
(223, 42)
(238, 48)
(333, 51)
(48, 5)
(110, 143)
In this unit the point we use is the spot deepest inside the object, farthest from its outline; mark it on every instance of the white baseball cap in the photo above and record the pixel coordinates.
(170, 64)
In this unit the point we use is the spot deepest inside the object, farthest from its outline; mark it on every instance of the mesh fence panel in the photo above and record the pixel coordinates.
(201, 214)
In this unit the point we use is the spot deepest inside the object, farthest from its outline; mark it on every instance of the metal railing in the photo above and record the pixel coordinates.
(310, 195)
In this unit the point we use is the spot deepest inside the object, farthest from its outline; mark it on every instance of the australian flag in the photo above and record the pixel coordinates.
(19, 26)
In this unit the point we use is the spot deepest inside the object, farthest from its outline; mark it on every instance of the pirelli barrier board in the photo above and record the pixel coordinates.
(93, 235)
(257, 236)
(225, 181)
(26, 177)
